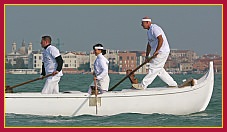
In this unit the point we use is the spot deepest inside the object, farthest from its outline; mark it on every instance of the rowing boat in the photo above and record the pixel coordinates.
(162, 100)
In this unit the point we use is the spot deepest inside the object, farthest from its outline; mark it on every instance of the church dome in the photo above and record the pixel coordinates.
(23, 50)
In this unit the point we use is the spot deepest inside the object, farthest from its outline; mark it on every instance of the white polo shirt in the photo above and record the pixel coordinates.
(101, 66)
(152, 34)
(49, 55)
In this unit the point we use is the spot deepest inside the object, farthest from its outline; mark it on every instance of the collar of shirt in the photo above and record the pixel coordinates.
(99, 55)
(47, 46)
(151, 26)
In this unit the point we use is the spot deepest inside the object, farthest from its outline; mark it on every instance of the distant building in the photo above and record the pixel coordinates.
(186, 67)
(218, 65)
(111, 56)
(73, 60)
(23, 52)
(127, 61)
(183, 55)
(140, 58)
(202, 63)
(69, 60)
(172, 66)
(81, 59)
(35, 60)
(92, 58)
(119, 61)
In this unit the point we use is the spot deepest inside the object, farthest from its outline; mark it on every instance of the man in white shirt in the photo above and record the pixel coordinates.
(52, 64)
(100, 69)
(158, 46)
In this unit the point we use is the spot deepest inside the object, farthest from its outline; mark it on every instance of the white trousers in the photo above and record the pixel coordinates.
(103, 84)
(156, 68)
(51, 85)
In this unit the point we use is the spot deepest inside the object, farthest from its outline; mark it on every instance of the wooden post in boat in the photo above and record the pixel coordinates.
(96, 98)
(131, 73)
(9, 89)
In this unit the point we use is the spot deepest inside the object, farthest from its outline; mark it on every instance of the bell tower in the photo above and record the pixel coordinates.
(14, 47)
(30, 48)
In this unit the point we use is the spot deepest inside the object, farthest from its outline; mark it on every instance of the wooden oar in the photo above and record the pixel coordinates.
(96, 98)
(10, 89)
(131, 73)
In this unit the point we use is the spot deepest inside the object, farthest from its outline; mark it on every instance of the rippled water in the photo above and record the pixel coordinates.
(211, 117)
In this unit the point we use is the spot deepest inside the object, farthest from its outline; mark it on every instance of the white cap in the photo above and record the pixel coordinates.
(98, 47)
(146, 20)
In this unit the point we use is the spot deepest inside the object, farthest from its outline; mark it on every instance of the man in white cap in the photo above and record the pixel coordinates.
(158, 46)
(100, 70)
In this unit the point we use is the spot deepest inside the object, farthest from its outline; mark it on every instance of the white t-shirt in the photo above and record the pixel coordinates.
(50, 64)
(101, 66)
(152, 34)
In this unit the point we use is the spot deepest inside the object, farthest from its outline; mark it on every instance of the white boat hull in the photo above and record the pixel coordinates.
(177, 101)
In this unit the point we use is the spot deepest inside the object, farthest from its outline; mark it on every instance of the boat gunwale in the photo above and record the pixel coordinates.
(202, 80)
(111, 96)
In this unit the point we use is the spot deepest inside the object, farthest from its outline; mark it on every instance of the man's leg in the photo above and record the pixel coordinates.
(47, 86)
(164, 76)
(51, 85)
(149, 78)
(156, 66)
(55, 88)
(92, 85)
(103, 84)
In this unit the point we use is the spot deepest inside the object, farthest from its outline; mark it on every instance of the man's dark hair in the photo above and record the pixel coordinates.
(100, 45)
(46, 38)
